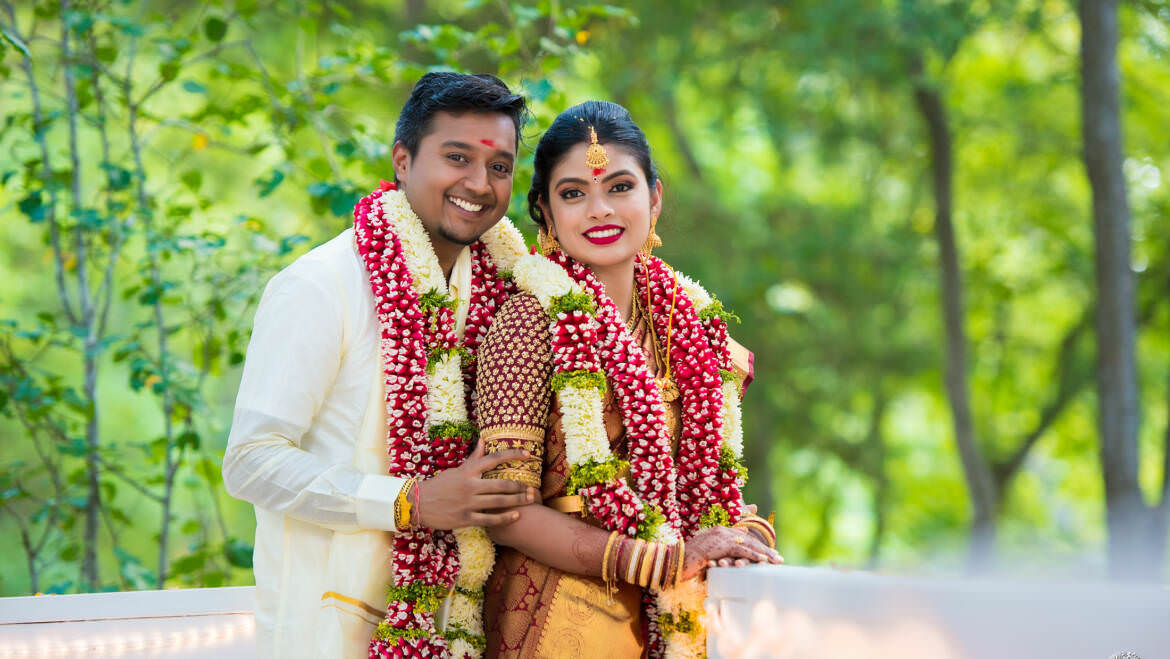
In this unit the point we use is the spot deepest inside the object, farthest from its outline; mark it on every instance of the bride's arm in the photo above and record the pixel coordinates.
(568, 544)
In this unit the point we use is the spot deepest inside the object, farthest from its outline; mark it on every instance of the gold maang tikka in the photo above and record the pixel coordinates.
(595, 156)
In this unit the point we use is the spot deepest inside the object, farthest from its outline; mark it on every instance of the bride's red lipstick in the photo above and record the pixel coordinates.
(599, 240)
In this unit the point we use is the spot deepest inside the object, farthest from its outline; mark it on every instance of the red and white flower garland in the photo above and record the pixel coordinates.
(592, 349)
(428, 430)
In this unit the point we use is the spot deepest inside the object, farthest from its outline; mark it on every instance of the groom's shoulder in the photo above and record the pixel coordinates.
(334, 259)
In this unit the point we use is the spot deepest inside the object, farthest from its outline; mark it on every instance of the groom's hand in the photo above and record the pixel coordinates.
(459, 497)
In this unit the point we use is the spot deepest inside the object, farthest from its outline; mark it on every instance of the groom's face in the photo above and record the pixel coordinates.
(460, 180)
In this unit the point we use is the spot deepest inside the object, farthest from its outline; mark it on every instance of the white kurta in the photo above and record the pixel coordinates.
(308, 449)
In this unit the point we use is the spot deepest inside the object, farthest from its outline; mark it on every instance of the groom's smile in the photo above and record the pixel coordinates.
(459, 182)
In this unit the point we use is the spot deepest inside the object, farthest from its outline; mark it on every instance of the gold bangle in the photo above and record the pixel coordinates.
(647, 564)
(759, 524)
(605, 556)
(656, 576)
(682, 554)
(632, 568)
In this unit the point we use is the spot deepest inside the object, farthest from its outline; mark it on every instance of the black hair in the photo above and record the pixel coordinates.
(571, 127)
(456, 93)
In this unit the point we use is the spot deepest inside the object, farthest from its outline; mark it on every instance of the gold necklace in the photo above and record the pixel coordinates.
(666, 384)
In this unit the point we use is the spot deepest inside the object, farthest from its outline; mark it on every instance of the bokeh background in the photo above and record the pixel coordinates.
(956, 348)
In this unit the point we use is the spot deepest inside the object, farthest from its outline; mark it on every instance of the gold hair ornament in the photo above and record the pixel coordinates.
(595, 155)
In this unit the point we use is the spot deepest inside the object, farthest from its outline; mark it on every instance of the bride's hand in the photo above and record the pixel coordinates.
(725, 546)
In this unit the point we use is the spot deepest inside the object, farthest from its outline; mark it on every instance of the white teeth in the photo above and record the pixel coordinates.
(466, 205)
(604, 234)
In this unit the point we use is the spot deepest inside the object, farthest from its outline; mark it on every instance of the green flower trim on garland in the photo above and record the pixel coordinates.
(437, 355)
(685, 624)
(716, 515)
(455, 631)
(465, 430)
(433, 299)
(504, 274)
(424, 597)
(473, 595)
(580, 380)
(386, 632)
(652, 519)
(727, 462)
(716, 310)
(571, 302)
(592, 473)
(727, 376)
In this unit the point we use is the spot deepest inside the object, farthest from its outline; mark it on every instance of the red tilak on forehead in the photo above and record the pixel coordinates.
(488, 142)
(598, 172)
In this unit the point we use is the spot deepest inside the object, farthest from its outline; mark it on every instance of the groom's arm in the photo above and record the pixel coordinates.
(292, 361)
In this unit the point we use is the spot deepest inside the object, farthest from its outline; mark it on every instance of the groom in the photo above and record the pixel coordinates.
(308, 444)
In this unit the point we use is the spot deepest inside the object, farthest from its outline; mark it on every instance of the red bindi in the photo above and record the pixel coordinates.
(598, 172)
(491, 143)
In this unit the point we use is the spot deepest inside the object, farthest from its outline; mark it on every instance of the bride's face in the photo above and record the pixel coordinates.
(601, 220)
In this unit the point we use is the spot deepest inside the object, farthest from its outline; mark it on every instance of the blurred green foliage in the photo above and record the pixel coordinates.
(215, 142)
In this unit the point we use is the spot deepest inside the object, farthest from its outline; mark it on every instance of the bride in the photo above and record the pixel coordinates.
(616, 375)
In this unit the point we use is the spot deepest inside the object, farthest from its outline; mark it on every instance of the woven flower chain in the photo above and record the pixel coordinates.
(592, 350)
(428, 429)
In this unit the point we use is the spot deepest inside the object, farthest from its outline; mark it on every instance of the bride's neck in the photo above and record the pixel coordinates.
(619, 285)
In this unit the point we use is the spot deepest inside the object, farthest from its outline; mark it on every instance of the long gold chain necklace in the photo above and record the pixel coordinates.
(665, 383)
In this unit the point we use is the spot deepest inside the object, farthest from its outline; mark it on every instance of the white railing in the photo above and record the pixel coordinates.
(203, 622)
(783, 612)
(810, 613)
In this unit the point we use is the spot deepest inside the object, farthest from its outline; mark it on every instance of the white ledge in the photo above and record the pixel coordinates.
(814, 613)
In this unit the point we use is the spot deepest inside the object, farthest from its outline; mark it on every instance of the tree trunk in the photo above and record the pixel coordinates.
(975, 467)
(1117, 392)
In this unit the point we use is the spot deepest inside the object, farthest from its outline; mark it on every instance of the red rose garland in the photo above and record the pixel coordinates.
(706, 486)
(416, 331)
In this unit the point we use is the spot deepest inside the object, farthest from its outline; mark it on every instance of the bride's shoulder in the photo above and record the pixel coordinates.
(521, 311)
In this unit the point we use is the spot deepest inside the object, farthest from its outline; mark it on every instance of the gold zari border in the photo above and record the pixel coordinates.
(511, 431)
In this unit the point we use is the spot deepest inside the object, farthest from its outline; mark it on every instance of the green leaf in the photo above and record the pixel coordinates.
(194, 87)
(267, 186)
(188, 440)
(238, 553)
(192, 178)
(214, 28)
(33, 206)
(168, 70)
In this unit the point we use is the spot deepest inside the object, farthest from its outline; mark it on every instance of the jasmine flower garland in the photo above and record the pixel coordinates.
(593, 351)
(426, 378)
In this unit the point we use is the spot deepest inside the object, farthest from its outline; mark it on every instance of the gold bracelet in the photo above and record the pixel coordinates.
(632, 568)
(647, 564)
(402, 505)
(656, 576)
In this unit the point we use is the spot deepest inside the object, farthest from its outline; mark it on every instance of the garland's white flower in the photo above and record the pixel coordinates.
(416, 244)
(461, 648)
(445, 392)
(732, 419)
(584, 426)
(543, 278)
(477, 556)
(686, 597)
(695, 291)
(504, 244)
(463, 608)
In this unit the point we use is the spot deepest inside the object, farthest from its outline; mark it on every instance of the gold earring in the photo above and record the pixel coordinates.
(548, 243)
(652, 240)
